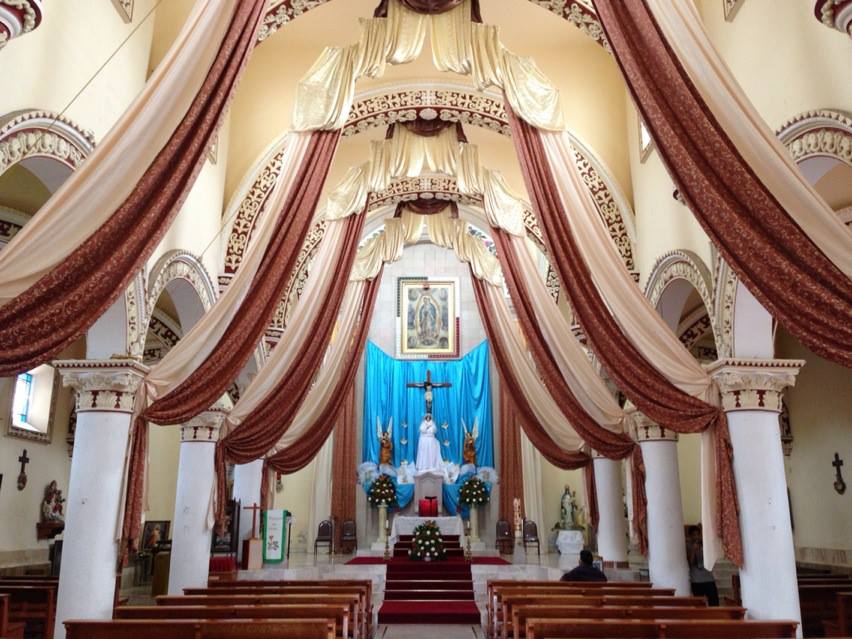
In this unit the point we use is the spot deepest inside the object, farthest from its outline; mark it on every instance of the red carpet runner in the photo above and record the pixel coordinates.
(429, 592)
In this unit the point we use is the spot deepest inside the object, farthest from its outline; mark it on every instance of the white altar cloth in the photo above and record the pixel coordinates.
(405, 525)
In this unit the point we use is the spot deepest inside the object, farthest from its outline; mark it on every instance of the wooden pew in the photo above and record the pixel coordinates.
(339, 612)
(509, 600)
(841, 626)
(9, 629)
(496, 588)
(34, 605)
(642, 629)
(351, 599)
(818, 603)
(521, 613)
(201, 629)
(363, 587)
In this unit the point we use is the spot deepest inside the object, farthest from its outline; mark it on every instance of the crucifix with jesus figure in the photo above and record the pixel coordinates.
(427, 386)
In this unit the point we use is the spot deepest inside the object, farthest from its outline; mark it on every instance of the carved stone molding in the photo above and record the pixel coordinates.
(180, 265)
(580, 13)
(646, 430)
(824, 132)
(18, 17)
(103, 385)
(680, 265)
(204, 428)
(125, 9)
(754, 384)
(26, 134)
(835, 14)
(730, 7)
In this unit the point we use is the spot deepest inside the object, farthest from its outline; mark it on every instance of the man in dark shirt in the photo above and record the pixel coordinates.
(585, 570)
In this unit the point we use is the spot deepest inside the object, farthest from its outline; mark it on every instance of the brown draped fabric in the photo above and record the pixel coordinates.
(266, 492)
(764, 246)
(207, 383)
(343, 458)
(640, 381)
(639, 499)
(262, 428)
(430, 7)
(511, 467)
(301, 453)
(62, 305)
(543, 442)
(591, 495)
(606, 442)
(423, 206)
(134, 506)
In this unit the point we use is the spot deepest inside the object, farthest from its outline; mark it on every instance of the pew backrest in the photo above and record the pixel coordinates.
(201, 629)
(32, 604)
(554, 628)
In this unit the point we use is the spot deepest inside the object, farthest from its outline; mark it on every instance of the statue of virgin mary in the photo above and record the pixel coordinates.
(428, 448)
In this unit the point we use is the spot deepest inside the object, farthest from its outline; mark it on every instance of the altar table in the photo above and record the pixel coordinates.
(405, 525)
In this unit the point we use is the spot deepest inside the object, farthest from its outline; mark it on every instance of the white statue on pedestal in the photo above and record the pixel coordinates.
(428, 448)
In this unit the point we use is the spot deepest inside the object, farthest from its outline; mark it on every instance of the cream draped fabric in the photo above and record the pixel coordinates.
(179, 363)
(584, 382)
(92, 193)
(325, 94)
(546, 411)
(443, 231)
(299, 329)
(631, 309)
(319, 507)
(637, 318)
(503, 208)
(320, 394)
(761, 149)
(531, 471)
(406, 154)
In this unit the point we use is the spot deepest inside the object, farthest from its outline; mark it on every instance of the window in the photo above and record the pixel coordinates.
(22, 400)
(646, 142)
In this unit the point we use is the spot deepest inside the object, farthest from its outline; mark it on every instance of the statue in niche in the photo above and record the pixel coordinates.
(385, 442)
(51, 505)
(567, 519)
(470, 437)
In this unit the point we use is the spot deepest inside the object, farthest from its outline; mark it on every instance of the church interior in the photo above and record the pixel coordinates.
(371, 318)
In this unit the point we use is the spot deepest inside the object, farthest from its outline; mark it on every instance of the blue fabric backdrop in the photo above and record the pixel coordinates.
(469, 397)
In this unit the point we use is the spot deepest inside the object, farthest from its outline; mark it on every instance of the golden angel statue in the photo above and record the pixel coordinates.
(470, 437)
(385, 441)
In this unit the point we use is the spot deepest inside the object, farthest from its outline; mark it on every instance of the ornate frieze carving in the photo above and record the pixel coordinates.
(822, 132)
(280, 12)
(103, 385)
(754, 384)
(730, 8)
(125, 9)
(18, 17)
(204, 428)
(43, 134)
(835, 14)
(180, 265)
(646, 430)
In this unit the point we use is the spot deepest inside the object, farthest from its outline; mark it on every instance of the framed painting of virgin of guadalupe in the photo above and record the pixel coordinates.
(427, 318)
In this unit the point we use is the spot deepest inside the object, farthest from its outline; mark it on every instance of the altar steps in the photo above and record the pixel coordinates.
(428, 592)
(452, 546)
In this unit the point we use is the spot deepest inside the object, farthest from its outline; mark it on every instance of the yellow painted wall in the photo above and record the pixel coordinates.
(689, 467)
(553, 482)
(296, 497)
(163, 456)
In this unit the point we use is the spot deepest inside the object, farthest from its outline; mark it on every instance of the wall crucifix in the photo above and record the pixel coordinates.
(427, 386)
(22, 478)
(839, 484)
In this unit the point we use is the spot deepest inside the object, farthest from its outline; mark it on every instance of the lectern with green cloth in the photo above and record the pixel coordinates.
(275, 535)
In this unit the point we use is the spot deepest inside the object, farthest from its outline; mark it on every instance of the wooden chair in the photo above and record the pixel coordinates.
(530, 530)
(348, 535)
(504, 537)
(325, 535)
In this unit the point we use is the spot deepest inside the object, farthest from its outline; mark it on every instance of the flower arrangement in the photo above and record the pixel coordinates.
(428, 543)
(382, 492)
(473, 492)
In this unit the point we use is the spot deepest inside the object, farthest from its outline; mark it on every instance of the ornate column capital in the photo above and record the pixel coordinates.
(754, 384)
(204, 428)
(103, 384)
(18, 17)
(646, 430)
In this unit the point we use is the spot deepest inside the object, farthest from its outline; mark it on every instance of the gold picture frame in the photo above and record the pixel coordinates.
(427, 318)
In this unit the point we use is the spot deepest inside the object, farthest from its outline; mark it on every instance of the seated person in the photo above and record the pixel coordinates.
(701, 580)
(585, 570)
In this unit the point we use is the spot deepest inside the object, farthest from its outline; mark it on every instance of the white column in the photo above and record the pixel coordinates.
(612, 524)
(666, 542)
(247, 480)
(191, 531)
(105, 392)
(751, 396)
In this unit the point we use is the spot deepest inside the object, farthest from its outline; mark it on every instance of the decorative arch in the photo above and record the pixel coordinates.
(35, 133)
(580, 13)
(179, 265)
(835, 14)
(686, 266)
(18, 17)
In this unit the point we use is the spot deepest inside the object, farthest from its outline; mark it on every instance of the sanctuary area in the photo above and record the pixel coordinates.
(373, 319)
